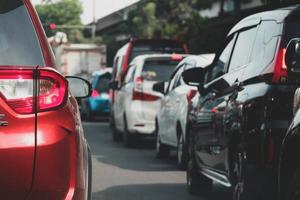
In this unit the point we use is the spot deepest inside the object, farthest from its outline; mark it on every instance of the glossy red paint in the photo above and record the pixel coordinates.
(43, 155)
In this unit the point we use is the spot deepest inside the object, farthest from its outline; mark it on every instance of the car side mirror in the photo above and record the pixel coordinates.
(194, 77)
(292, 56)
(114, 85)
(159, 87)
(79, 87)
(296, 103)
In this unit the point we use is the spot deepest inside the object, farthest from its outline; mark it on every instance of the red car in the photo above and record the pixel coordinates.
(43, 151)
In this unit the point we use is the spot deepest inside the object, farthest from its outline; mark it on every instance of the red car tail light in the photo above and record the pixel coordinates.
(280, 70)
(95, 94)
(17, 88)
(142, 96)
(138, 94)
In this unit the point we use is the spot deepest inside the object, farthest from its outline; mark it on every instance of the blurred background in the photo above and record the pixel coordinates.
(88, 33)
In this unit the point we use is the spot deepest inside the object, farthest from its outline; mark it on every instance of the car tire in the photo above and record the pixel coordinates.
(293, 192)
(181, 153)
(162, 150)
(128, 138)
(196, 182)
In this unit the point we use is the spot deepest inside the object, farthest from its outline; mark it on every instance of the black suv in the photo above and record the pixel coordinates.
(237, 125)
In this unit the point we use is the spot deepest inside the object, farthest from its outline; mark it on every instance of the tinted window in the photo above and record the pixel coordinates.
(130, 74)
(265, 44)
(158, 70)
(18, 41)
(292, 30)
(218, 67)
(155, 48)
(242, 49)
(102, 85)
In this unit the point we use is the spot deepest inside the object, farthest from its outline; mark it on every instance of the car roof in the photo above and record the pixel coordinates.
(278, 15)
(156, 56)
(202, 60)
(102, 72)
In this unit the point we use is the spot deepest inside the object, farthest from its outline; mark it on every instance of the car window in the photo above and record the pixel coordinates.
(241, 53)
(217, 69)
(158, 70)
(102, 85)
(178, 77)
(265, 44)
(19, 44)
(130, 74)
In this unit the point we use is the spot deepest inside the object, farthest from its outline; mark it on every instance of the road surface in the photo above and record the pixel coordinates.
(121, 173)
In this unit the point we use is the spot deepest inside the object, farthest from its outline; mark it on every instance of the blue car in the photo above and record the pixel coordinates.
(98, 105)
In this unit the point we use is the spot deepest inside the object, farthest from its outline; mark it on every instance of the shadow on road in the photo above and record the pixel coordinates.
(157, 192)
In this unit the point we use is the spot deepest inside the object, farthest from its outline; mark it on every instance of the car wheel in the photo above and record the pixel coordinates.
(294, 188)
(181, 153)
(128, 139)
(196, 182)
(162, 151)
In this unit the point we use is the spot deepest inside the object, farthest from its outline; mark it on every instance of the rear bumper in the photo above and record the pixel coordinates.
(100, 106)
(61, 171)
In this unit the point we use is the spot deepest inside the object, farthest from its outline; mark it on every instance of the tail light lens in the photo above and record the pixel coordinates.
(95, 94)
(138, 93)
(142, 96)
(280, 70)
(190, 95)
(17, 88)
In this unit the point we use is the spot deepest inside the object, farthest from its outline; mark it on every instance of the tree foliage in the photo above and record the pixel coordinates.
(62, 12)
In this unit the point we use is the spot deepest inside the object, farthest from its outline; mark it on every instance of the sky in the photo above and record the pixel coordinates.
(103, 8)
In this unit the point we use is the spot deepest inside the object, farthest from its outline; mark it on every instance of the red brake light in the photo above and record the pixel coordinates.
(190, 95)
(95, 94)
(141, 96)
(18, 89)
(280, 70)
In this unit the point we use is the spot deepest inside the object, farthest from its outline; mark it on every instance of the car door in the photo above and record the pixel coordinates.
(117, 105)
(220, 106)
(206, 144)
(125, 94)
(174, 101)
(164, 124)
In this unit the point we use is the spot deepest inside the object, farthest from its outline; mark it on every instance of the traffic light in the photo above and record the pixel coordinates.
(52, 26)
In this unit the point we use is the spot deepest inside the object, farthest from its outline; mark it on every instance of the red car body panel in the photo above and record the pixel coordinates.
(43, 155)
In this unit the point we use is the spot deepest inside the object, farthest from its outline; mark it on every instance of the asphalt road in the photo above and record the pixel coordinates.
(120, 173)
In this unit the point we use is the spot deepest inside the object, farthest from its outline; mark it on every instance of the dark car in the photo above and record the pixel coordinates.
(237, 126)
(43, 150)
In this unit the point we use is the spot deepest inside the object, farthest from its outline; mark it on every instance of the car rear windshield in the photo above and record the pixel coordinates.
(19, 45)
(158, 70)
(102, 85)
(141, 49)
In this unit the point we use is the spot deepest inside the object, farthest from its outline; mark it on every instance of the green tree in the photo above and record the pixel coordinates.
(62, 12)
